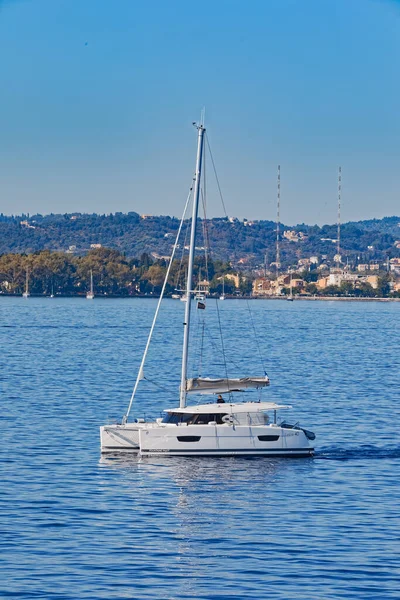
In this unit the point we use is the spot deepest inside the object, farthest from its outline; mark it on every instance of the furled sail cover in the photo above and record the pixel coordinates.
(205, 385)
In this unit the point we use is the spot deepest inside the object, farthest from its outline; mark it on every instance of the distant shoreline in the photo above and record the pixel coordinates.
(155, 297)
(335, 299)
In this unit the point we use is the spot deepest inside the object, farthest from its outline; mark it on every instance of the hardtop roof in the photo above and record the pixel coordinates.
(228, 407)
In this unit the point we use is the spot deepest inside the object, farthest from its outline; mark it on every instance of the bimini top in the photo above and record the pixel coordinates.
(205, 385)
(226, 407)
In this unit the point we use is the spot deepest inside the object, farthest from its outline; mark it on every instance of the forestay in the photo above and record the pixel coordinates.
(205, 385)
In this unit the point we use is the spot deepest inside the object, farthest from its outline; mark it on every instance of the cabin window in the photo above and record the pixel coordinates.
(268, 438)
(205, 419)
(191, 419)
(188, 438)
(177, 418)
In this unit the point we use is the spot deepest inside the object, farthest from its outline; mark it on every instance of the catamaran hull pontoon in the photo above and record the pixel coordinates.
(237, 429)
(205, 441)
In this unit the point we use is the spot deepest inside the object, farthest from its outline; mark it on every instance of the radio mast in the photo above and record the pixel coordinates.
(278, 209)
(338, 257)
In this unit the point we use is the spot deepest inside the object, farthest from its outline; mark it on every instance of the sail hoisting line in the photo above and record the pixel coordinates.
(140, 375)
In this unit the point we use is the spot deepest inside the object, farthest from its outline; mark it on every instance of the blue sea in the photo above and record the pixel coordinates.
(76, 526)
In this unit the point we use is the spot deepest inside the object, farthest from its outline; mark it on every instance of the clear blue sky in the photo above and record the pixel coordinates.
(97, 99)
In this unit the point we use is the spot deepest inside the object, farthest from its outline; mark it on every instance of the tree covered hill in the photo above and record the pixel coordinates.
(247, 243)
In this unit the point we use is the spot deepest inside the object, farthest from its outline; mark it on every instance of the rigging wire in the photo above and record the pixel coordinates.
(201, 349)
(195, 338)
(182, 257)
(222, 340)
(160, 387)
(205, 224)
(256, 338)
(140, 374)
(216, 176)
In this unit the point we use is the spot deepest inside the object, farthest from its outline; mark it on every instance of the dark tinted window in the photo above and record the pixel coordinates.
(268, 438)
(177, 418)
(203, 419)
(191, 419)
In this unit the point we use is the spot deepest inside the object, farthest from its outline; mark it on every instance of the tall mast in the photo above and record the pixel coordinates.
(189, 282)
(338, 220)
(91, 281)
(278, 218)
(27, 281)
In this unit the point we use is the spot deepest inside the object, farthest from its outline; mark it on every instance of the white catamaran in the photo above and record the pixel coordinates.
(220, 428)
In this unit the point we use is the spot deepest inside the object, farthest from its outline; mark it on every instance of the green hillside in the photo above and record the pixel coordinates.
(248, 244)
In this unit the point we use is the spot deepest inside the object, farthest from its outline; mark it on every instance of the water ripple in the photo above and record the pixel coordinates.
(75, 525)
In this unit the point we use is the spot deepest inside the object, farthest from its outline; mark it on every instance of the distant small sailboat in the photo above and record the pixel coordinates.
(222, 296)
(26, 293)
(90, 294)
(183, 297)
(52, 291)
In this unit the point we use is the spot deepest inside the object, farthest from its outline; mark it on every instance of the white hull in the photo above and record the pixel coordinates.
(153, 439)
(26, 295)
(89, 296)
(120, 438)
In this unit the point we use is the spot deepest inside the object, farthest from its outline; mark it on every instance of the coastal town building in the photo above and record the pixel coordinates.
(372, 280)
(203, 287)
(395, 265)
(336, 279)
(266, 287)
(234, 278)
(27, 225)
(368, 267)
(274, 287)
(294, 236)
(304, 262)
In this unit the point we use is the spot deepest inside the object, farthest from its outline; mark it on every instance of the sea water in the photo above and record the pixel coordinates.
(75, 525)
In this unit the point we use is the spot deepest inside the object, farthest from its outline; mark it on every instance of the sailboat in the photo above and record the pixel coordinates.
(26, 293)
(183, 297)
(222, 296)
(90, 294)
(220, 428)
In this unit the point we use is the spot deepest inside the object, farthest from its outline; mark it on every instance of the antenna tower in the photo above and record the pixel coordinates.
(278, 254)
(338, 220)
